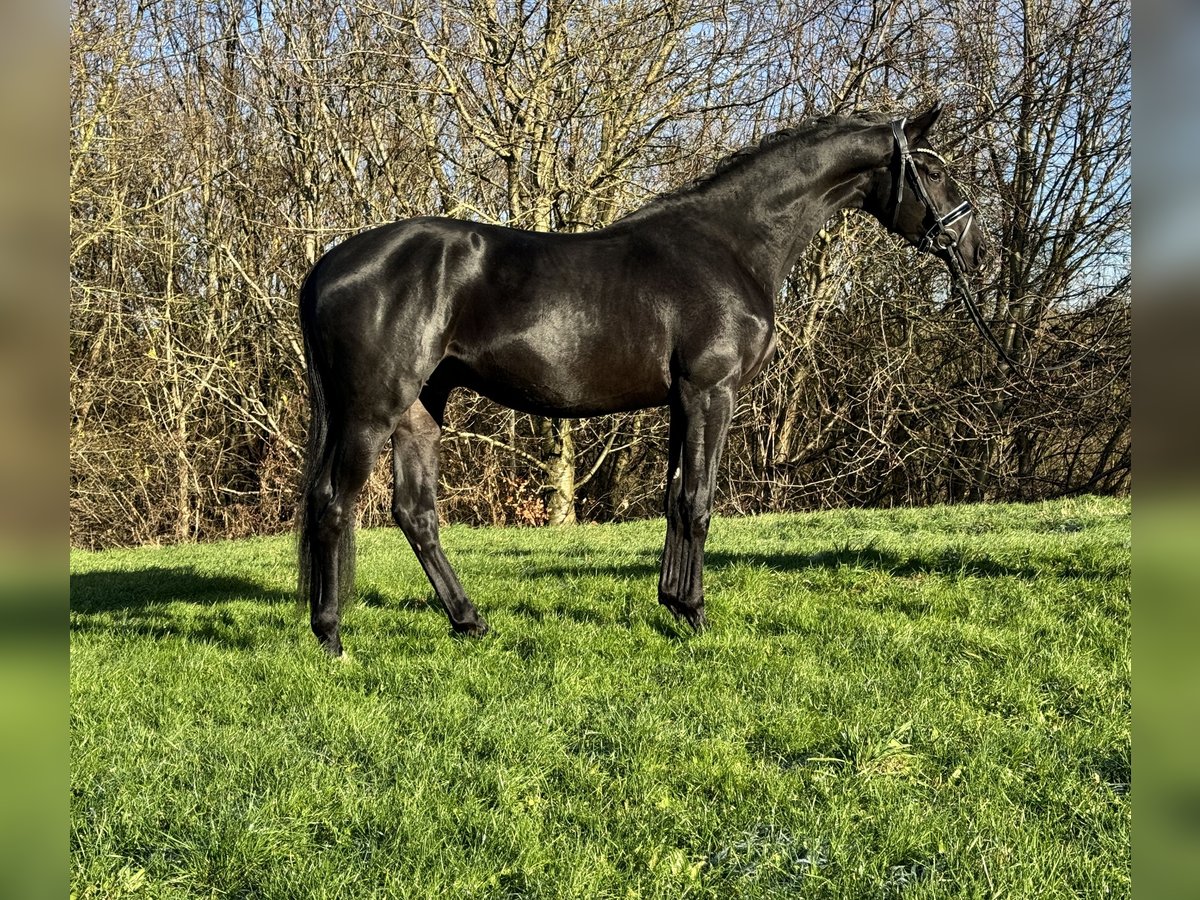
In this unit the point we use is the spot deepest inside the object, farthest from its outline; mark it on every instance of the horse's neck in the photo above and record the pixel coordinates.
(773, 206)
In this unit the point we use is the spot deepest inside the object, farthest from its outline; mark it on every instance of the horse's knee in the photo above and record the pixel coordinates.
(400, 516)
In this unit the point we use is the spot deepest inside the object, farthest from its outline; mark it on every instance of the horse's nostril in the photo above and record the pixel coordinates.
(981, 252)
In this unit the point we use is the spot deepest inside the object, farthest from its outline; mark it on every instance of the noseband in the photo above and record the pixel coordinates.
(941, 225)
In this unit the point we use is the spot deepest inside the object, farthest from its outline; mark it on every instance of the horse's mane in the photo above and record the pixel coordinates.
(743, 155)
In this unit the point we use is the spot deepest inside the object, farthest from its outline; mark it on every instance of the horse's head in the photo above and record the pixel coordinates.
(918, 199)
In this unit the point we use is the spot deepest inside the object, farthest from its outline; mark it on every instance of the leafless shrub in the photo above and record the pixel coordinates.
(217, 150)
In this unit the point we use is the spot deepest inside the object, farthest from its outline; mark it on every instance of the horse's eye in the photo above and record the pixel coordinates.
(935, 176)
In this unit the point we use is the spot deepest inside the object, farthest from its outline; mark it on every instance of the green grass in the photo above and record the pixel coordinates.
(908, 703)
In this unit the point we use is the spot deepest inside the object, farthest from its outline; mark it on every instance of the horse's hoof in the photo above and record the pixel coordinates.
(475, 629)
(693, 615)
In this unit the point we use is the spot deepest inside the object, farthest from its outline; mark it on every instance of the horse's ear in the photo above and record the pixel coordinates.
(918, 126)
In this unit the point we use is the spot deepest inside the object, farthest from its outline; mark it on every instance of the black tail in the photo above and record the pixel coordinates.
(315, 485)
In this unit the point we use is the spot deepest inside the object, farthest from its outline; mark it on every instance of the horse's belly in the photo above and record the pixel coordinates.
(566, 377)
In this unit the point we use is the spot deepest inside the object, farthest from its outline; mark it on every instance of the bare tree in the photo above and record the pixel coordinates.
(219, 149)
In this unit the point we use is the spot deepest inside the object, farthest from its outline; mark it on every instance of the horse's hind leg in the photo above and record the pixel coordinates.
(349, 459)
(415, 475)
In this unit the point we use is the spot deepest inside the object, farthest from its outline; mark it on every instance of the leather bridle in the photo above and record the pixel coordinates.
(933, 238)
(940, 236)
(942, 221)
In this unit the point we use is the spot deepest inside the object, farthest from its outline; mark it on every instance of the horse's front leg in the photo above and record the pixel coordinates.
(699, 424)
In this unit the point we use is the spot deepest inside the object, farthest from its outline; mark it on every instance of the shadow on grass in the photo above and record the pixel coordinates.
(144, 589)
(376, 598)
(582, 614)
(139, 599)
(205, 631)
(948, 562)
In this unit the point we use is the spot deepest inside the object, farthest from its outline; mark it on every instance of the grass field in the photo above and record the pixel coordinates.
(909, 703)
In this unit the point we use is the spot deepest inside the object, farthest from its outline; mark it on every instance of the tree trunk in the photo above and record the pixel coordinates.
(558, 453)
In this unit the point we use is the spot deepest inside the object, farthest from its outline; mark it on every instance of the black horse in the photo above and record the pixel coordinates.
(672, 305)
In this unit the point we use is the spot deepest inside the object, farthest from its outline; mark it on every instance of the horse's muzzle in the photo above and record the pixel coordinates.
(971, 249)
(975, 259)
